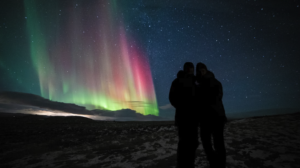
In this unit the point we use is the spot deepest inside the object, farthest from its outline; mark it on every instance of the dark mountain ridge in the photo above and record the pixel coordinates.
(38, 101)
(11, 100)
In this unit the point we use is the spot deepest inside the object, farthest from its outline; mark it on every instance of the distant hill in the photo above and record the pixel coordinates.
(15, 100)
(38, 101)
(170, 113)
(127, 113)
(263, 112)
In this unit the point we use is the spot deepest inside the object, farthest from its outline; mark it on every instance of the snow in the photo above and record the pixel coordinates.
(267, 141)
(259, 154)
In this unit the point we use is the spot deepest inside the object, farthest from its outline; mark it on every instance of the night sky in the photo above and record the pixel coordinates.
(113, 54)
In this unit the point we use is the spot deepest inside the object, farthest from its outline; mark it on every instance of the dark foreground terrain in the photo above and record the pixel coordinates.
(28, 141)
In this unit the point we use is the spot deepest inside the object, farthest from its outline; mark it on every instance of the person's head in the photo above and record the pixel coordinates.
(201, 69)
(188, 68)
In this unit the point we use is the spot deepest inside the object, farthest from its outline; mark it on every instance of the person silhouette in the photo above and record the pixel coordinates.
(212, 116)
(182, 96)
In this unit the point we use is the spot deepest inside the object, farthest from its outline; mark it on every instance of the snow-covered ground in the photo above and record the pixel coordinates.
(254, 142)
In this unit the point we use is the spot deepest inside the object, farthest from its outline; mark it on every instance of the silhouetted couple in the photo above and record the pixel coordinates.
(198, 103)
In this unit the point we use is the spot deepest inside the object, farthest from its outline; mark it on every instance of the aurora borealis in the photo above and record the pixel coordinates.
(94, 62)
(124, 54)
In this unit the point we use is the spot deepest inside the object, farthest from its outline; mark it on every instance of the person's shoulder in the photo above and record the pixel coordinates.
(180, 74)
(175, 81)
(210, 74)
(213, 80)
(217, 83)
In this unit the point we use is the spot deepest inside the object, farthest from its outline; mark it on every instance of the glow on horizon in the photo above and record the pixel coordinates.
(92, 62)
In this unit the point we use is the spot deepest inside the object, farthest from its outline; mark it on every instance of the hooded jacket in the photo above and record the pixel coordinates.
(182, 96)
(209, 94)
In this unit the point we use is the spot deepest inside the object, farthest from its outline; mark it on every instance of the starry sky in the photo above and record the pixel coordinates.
(113, 54)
